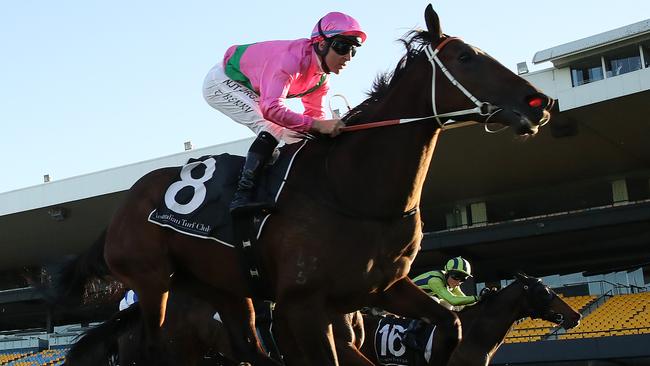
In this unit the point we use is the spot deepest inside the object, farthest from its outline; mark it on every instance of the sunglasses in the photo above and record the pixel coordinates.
(343, 48)
(459, 277)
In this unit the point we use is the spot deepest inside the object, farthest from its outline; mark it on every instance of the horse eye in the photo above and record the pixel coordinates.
(464, 57)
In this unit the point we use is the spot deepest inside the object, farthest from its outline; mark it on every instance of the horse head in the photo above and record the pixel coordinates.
(543, 303)
(479, 88)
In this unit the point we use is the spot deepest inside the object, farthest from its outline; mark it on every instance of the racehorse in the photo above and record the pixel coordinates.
(347, 227)
(485, 324)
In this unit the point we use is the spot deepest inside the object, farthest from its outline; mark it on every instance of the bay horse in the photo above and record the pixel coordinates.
(347, 226)
(485, 324)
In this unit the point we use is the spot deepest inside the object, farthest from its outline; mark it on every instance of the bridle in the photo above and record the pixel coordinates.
(541, 305)
(484, 109)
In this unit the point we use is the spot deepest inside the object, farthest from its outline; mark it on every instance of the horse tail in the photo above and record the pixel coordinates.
(68, 285)
(100, 344)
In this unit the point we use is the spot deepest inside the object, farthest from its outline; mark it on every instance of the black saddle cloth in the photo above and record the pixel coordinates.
(197, 202)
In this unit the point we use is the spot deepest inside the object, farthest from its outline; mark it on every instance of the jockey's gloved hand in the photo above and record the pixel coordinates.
(486, 291)
(331, 127)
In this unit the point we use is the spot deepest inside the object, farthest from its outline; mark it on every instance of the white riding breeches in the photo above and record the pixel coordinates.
(241, 105)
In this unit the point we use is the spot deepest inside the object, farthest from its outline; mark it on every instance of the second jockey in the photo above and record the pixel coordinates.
(444, 285)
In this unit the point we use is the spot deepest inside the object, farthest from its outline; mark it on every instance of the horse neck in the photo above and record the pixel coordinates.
(390, 163)
(488, 322)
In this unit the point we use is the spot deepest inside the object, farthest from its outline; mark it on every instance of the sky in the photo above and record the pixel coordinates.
(91, 85)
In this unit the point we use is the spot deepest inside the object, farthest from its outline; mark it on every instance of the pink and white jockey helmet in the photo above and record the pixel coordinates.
(336, 23)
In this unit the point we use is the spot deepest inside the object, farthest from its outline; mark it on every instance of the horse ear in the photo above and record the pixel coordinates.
(433, 22)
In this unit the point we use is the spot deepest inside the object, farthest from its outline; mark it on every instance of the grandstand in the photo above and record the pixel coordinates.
(571, 204)
(618, 315)
(604, 316)
(51, 357)
(531, 330)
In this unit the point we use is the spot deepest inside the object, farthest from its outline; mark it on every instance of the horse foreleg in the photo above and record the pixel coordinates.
(153, 305)
(305, 324)
(349, 340)
(239, 317)
(406, 299)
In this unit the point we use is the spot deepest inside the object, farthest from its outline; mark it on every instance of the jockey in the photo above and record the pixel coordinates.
(252, 82)
(444, 286)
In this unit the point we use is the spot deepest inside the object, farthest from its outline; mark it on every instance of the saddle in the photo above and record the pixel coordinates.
(196, 203)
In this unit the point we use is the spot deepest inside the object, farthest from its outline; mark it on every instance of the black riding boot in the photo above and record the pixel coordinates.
(258, 154)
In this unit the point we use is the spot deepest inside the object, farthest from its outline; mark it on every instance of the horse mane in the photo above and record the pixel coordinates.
(490, 296)
(414, 41)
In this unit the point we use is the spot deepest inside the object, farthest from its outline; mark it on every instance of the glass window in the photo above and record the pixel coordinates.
(622, 61)
(586, 71)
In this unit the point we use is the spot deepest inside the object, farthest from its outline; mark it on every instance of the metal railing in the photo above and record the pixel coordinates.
(613, 288)
(489, 223)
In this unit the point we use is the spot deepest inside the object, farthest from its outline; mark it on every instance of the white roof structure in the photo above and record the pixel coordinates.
(593, 42)
(103, 182)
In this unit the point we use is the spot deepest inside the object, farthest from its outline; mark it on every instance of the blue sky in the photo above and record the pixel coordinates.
(91, 85)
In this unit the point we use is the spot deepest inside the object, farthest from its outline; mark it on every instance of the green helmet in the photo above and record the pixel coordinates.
(459, 264)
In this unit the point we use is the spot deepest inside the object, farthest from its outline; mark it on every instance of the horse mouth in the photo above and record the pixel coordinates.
(572, 323)
(524, 126)
(566, 323)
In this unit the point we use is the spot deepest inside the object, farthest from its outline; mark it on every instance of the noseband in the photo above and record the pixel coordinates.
(484, 109)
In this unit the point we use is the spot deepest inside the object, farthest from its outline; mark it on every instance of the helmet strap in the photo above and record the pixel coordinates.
(321, 57)
(320, 30)
(322, 53)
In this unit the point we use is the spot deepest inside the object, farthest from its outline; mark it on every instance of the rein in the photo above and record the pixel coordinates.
(484, 109)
